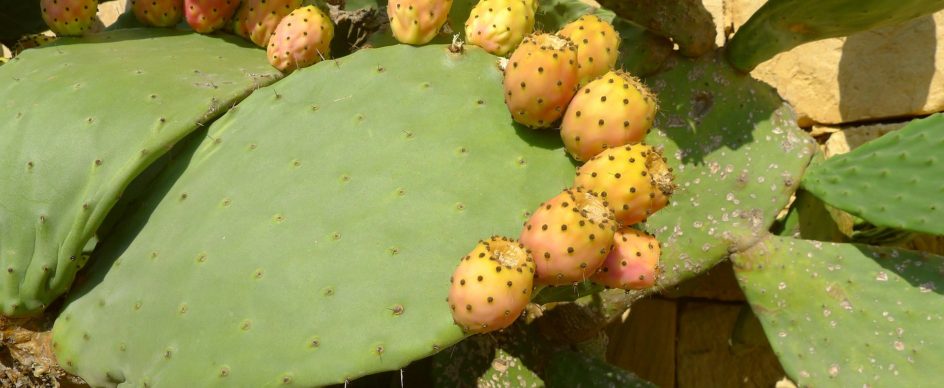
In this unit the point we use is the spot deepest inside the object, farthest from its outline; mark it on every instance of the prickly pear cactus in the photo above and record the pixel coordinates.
(324, 216)
(82, 117)
(893, 181)
(721, 131)
(568, 369)
(737, 157)
(847, 314)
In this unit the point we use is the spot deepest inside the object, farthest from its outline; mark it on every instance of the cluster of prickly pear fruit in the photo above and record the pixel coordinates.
(612, 110)
(583, 233)
(498, 26)
(206, 16)
(417, 21)
(69, 17)
(158, 13)
(492, 285)
(302, 38)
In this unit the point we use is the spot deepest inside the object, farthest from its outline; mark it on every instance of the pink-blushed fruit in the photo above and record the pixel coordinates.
(302, 38)
(498, 26)
(540, 79)
(633, 263)
(69, 17)
(206, 16)
(597, 46)
(633, 180)
(417, 21)
(158, 13)
(491, 286)
(613, 110)
(569, 236)
(256, 19)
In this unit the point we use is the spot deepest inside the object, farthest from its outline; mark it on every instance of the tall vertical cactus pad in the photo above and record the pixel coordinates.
(846, 314)
(780, 25)
(894, 181)
(317, 222)
(79, 119)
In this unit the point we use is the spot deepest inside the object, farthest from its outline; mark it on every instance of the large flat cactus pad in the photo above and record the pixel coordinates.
(311, 235)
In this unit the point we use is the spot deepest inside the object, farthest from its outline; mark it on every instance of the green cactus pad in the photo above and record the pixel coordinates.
(568, 369)
(780, 25)
(893, 181)
(317, 222)
(847, 314)
(507, 370)
(80, 119)
(737, 156)
(513, 357)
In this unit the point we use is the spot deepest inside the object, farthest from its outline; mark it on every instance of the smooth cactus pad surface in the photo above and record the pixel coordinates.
(324, 216)
(847, 315)
(894, 181)
(81, 118)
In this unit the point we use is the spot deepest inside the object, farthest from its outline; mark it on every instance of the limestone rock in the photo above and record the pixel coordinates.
(890, 72)
(851, 138)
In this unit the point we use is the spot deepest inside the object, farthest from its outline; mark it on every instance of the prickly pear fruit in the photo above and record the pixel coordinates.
(633, 263)
(301, 39)
(498, 26)
(633, 181)
(613, 110)
(69, 17)
(540, 79)
(491, 286)
(417, 21)
(569, 237)
(31, 41)
(597, 46)
(256, 19)
(158, 13)
(206, 16)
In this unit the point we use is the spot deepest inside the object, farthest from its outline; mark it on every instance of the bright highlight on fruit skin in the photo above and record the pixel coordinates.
(498, 26)
(417, 22)
(491, 286)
